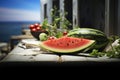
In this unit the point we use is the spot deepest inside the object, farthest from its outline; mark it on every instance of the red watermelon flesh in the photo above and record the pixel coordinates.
(66, 44)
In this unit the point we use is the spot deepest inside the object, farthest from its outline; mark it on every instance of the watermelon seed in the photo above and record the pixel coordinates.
(72, 41)
(67, 44)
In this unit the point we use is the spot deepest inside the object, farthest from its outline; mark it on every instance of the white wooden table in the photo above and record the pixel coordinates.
(2, 44)
(36, 55)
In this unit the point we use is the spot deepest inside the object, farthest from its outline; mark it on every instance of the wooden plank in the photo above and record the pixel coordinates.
(37, 54)
(76, 21)
(18, 38)
(107, 17)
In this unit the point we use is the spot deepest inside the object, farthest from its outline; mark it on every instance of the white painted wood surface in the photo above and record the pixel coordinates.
(19, 54)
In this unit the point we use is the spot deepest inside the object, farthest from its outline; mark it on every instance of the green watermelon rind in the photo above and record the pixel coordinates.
(89, 33)
(86, 29)
(91, 42)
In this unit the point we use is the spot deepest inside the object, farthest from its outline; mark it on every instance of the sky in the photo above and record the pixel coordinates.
(19, 10)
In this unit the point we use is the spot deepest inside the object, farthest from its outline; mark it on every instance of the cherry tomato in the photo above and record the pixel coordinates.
(36, 24)
(34, 29)
(38, 28)
(65, 33)
(51, 38)
(31, 26)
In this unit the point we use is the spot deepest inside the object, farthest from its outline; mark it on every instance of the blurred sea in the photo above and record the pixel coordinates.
(7, 29)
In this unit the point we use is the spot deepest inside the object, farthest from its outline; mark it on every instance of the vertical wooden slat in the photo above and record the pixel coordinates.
(62, 11)
(49, 10)
(107, 17)
(42, 2)
(75, 13)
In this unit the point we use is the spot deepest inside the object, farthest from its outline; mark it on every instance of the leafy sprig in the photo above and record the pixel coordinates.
(54, 28)
(113, 53)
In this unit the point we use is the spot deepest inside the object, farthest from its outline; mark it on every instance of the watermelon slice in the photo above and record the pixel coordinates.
(67, 44)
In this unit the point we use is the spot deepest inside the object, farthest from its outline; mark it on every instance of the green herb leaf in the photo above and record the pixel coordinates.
(114, 53)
